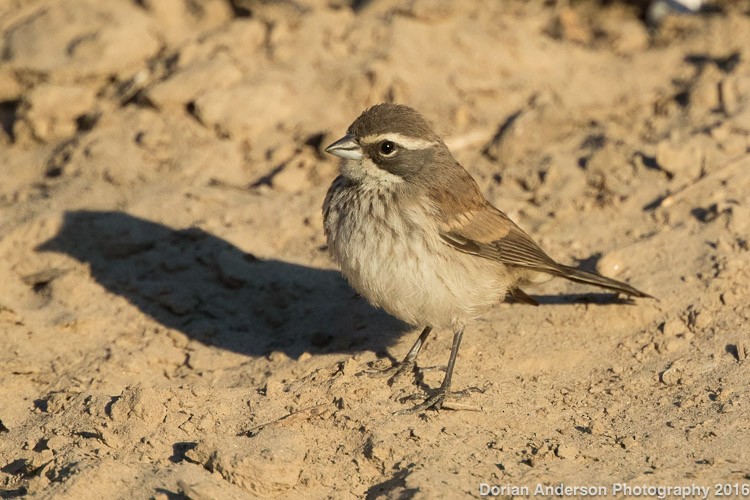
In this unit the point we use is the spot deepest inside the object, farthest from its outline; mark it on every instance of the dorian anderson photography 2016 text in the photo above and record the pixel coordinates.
(617, 489)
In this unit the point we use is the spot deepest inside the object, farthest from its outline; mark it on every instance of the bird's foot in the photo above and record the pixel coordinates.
(392, 372)
(441, 399)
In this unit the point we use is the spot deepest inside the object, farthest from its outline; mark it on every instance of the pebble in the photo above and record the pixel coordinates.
(704, 319)
(728, 95)
(10, 89)
(631, 37)
(55, 443)
(673, 374)
(673, 327)
(610, 264)
(566, 451)
(305, 356)
(188, 83)
(680, 159)
(265, 465)
(49, 112)
(138, 402)
(274, 389)
(629, 442)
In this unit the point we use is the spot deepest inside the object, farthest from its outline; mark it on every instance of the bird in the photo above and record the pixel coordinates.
(413, 234)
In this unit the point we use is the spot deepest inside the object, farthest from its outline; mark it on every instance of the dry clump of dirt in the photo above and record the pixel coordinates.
(172, 325)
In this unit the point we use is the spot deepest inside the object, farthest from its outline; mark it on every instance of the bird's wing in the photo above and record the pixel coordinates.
(487, 232)
(469, 223)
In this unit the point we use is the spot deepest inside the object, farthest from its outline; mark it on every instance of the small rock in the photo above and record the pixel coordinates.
(610, 264)
(378, 450)
(632, 37)
(305, 356)
(109, 438)
(673, 327)
(200, 391)
(703, 320)
(728, 95)
(673, 374)
(187, 84)
(49, 112)
(743, 350)
(705, 95)
(350, 366)
(628, 442)
(572, 27)
(10, 89)
(566, 451)
(42, 458)
(55, 443)
(267, 464)
(138, 402)
(278, 357)
(274, 388)
(680, 159)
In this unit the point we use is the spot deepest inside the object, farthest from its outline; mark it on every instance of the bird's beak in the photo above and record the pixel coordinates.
(346, 147)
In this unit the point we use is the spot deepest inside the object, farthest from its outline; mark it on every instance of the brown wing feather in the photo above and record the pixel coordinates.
(489, 233)
(472, 225)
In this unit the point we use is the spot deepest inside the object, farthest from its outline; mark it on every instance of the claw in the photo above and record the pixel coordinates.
(434, 402)
(439, 400)
(392, 372)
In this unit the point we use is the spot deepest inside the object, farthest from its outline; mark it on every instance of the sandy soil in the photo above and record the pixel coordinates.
(172, 326)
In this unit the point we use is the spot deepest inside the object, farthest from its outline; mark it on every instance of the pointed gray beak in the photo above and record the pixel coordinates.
(346, 147)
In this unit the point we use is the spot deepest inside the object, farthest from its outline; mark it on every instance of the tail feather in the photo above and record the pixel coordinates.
(588, 278)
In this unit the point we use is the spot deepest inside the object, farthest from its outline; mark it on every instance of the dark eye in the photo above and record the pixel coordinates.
(387, 148)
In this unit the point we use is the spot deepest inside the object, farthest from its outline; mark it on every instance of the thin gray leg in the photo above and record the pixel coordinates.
(436, 400)
(408, 362)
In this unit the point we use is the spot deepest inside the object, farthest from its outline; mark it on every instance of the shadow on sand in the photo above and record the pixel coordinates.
(205, 287)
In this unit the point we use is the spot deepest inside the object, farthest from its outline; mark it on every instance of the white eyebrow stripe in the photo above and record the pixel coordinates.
(406, 142)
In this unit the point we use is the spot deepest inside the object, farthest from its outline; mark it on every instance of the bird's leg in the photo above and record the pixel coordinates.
(436, 400)
(408, 362)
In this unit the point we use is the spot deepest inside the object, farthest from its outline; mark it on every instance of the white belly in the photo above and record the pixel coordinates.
(397, 260)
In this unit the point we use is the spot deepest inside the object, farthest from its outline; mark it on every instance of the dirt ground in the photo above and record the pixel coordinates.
(171, 323)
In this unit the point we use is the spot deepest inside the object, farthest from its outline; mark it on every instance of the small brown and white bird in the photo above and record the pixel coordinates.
(414, 235)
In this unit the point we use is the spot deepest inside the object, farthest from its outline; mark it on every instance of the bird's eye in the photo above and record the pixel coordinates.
(387, 148)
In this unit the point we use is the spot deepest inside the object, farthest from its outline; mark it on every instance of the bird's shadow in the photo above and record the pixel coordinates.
(194, 282)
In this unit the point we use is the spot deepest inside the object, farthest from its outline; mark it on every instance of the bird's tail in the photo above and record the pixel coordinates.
(580, 276)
